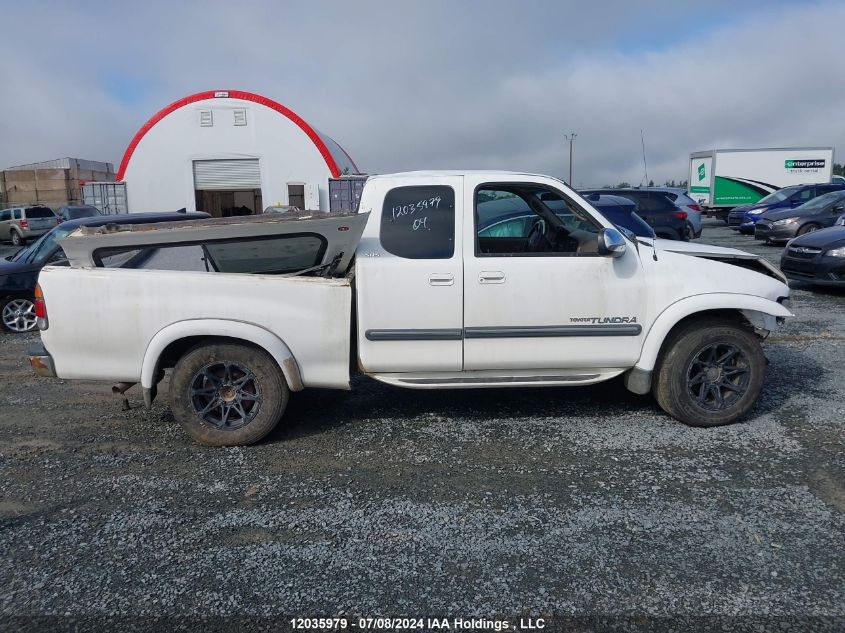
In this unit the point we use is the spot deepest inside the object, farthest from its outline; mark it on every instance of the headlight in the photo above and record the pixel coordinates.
(785, 221)
(757, 211)
(836, 252)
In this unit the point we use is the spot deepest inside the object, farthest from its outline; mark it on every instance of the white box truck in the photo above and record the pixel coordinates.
(726, 178)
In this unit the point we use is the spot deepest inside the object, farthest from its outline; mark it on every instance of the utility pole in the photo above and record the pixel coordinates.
(571, 138)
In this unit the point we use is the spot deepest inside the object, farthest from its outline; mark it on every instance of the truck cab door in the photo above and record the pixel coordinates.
(409, 276)
(540, 299)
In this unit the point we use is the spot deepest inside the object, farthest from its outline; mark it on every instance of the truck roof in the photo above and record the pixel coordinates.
(457, 172)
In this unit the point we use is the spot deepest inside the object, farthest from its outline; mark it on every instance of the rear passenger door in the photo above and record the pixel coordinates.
(409, 277)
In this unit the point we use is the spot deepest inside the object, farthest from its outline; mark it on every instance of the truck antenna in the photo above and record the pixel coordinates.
(645, 165)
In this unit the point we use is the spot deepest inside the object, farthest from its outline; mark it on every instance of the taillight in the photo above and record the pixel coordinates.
(694, 207)
(24, 224)
(40, 308)
(681, 215)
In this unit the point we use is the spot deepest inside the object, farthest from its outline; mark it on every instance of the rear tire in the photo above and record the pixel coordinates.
(228, 394)
(17, 238)
(710, 373)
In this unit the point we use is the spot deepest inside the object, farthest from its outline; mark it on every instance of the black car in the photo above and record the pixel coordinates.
(622, 212)
(817, 257)
(783, 224)
(77, 212)
(659, 212)
(19, 272)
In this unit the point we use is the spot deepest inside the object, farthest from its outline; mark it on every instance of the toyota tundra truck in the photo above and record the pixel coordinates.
(441, 280)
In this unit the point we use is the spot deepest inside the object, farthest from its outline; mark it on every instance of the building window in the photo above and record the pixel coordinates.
(419, 222)
(206, 118)
(296, 196)
(240, 117)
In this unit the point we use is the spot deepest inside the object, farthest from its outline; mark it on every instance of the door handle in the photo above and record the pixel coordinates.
(441, 279)
(491, 277)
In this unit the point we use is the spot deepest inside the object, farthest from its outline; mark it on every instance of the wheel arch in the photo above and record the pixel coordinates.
(171, 342)
(754, 311)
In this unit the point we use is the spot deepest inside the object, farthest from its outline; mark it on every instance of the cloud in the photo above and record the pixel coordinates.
(440, 84)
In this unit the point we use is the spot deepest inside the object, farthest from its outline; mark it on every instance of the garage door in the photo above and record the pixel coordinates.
(215, 175)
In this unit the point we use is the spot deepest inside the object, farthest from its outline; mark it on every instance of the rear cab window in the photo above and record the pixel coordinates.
(418, 222)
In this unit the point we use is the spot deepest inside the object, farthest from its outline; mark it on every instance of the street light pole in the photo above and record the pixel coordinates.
(571, 138)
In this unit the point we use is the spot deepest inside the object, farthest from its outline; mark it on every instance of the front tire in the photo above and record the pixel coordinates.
(228, 394)
(711, 373)
(809, 228)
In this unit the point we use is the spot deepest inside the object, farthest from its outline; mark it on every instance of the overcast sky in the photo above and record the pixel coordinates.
(443, 84)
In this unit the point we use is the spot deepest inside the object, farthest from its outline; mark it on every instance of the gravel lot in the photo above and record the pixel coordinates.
(578, 503)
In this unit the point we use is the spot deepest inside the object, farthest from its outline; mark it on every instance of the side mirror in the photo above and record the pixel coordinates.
(628, 233)
(838, 208)
(611, 243)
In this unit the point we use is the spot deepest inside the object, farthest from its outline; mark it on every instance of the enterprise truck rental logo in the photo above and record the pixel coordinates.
(806, 163)
(701, 172)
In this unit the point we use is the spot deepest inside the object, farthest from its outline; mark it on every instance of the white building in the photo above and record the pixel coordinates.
(229, 152)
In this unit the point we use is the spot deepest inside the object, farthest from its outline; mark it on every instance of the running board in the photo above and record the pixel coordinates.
(480, 379)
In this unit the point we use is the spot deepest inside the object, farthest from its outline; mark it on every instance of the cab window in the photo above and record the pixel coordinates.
(524, 219)
(419, 222)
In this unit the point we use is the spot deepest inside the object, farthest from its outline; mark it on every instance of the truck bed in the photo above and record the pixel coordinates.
(102, 320)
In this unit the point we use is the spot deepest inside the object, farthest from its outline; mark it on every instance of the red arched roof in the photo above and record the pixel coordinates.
(231, 94)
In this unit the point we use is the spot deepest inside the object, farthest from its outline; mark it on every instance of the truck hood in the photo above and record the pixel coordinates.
(732, 256)
(230, 243)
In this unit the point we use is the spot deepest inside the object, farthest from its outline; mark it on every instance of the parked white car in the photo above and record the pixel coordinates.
(246, 310)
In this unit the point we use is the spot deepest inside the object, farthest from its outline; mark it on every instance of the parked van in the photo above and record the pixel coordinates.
(20, 224)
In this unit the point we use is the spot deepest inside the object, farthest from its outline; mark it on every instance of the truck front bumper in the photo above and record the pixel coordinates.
(41, 361)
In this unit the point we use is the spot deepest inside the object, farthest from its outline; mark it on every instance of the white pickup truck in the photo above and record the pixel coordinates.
(443, 280)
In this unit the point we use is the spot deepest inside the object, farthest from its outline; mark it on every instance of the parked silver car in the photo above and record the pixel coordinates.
(20, 224)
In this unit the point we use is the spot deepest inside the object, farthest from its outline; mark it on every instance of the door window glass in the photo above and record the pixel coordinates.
(419, 222)
(526, 219)
(5, 216)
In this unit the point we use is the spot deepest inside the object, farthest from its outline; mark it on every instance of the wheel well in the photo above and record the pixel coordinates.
(727, 314)
(171, 354)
